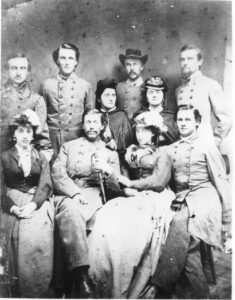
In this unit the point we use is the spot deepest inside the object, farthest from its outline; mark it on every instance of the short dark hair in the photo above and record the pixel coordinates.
(193, 47)
(196, 112)
(55, 53)
(19, 55)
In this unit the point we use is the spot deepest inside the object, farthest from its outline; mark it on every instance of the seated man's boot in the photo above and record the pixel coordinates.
(82, 284)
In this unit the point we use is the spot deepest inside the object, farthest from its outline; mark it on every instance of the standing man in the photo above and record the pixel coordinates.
(76, 175)
(203, 93)
(130, 92)
(202, 208)
(66, 96)
(17, 98)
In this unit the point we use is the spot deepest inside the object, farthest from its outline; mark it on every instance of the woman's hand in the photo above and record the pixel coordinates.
(27, 210)
(129, 192)
(16, 210)
(100, 165)
(124, 181)
(111, 145)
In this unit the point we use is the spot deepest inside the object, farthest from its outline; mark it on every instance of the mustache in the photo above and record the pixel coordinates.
(132, 72)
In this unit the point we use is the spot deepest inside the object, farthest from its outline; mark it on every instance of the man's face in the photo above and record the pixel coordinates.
(66, 61)
(186, 123)
(189, 62)
(134, 68)
(92, 126)
(108, 98)
(18, 69)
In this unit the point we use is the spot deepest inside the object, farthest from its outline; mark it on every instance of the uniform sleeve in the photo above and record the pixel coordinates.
(90, 100)
(160, 177)
(218, 104)
(62, 183)
(44, 189)
(112, 188)
(119, 101)
(216, 168)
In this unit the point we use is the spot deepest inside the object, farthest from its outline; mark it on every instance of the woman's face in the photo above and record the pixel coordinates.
(155, 97)
(24, 136)
(144, 135)
(108, 98)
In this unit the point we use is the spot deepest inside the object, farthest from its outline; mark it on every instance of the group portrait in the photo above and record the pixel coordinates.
(116, 149)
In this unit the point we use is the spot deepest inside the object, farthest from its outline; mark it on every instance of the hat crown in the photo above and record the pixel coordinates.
(155, 82)
(133, 52)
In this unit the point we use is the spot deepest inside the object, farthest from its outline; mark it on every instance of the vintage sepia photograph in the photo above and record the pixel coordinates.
(116, 149)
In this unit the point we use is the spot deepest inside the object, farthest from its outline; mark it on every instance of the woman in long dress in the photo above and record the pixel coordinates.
(27, 216)
(126, 239)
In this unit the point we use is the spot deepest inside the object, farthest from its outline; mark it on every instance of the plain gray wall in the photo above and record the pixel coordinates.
(102, 29)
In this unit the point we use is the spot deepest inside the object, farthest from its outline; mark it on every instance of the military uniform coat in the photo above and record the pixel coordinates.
(207, 96)
(129, 98)
(16, 101)
(199, 177)
(66, 101)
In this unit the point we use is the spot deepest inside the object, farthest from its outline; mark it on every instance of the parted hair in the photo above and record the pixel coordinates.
(19, 55)
(196, 112)
(193, 47)
(55, 53)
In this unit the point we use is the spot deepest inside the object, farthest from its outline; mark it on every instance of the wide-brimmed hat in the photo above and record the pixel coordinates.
(105, 84)
(134, 54)
(155, 82)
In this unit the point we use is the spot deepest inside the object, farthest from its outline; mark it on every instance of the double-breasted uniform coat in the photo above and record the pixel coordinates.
(66, 101)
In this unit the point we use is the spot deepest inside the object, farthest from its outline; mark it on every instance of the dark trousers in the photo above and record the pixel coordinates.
(181, 257)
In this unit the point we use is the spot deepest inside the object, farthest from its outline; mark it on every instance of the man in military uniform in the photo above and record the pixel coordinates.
(202, 208)
(66, 96)
(203, 93)
(18, 97)
(76, 175)
(130, 92)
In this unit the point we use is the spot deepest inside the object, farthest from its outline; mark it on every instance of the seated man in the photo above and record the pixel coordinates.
(201, 205)
(76, 175)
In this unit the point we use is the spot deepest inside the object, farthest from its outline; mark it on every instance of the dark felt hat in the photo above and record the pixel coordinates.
(105, 84)
(156, 82)
(134, 54)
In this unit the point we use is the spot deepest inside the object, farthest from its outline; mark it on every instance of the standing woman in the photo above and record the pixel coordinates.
(156, 95)
(27, 217)
(118, 133)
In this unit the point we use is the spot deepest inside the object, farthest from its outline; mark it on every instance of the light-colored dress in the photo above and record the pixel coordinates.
(128, 233)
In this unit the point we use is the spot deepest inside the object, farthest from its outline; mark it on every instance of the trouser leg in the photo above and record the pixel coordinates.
(193, 271)
(172, 261)
(181, 256)
(72, 230)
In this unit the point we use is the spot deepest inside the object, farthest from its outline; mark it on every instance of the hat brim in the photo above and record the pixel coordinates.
(123, 57)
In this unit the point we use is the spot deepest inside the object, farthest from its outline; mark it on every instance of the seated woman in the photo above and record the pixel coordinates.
(155, 94)
(118, 134)
(27, 216)
(126, 240)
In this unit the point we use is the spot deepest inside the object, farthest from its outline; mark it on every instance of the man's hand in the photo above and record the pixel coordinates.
(81, 199)
(27, 210)
(100, 165)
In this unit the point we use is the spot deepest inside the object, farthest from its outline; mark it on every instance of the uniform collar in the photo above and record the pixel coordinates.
(136, 83)
(62, 78)
(192, 78)
(23, 89)
(189, 140)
